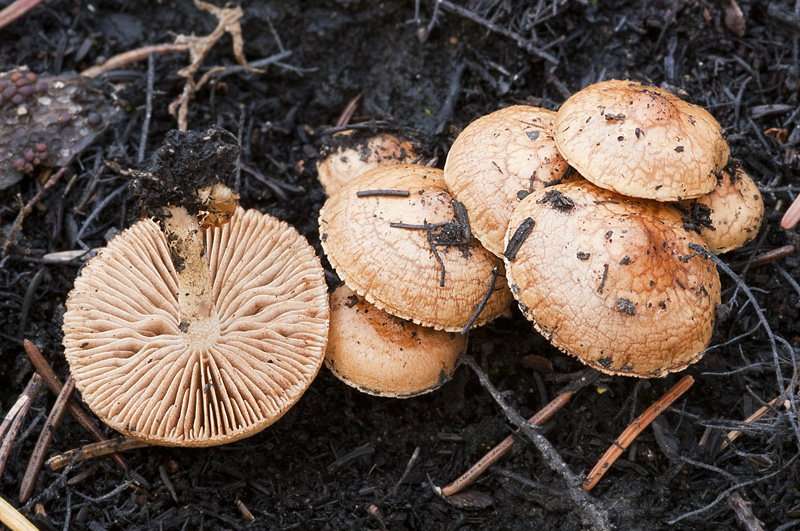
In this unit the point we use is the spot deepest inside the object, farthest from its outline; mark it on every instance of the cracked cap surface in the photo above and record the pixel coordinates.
(641, 141)
(395, 268)
(601, 276)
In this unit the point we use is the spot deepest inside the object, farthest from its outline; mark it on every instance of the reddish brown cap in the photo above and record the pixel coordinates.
(731, 215)
(641, 141)
(383, 355)
(373, 232)
(352, 153)
(609, 279)
(150, 376)
(496, 161)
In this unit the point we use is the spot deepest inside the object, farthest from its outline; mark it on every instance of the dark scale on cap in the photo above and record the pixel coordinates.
(625, 306)
(46, 121)
(557, 201)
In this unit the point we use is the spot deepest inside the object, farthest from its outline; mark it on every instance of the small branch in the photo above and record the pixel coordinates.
(744, 514)
(542, 416)
(586, 504)
(133, 56)
(491, 26)
(97, 449)
(409, 466)
(45, 437)
(15, 10)
(785, 394)
(633, 430)
(53, 383)
(12, 423)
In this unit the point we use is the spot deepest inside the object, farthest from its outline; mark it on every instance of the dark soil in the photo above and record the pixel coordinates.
(336, 459)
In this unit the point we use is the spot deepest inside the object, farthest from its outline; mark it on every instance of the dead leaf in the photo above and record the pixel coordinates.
(733, 18)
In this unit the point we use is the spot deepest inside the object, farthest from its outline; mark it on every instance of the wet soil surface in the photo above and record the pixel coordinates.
(343, 460)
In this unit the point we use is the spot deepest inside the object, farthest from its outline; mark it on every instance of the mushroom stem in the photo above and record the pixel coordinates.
(188, 250)
(185, 236)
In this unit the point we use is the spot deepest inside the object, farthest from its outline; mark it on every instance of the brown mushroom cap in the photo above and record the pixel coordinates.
(641, 141)
(734, 210)
(396, 268)
(151, 376)
(352, 154)
(383, 355)
(496, 161)
(603, 277)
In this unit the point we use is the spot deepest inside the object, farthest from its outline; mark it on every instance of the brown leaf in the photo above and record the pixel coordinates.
(733, 18)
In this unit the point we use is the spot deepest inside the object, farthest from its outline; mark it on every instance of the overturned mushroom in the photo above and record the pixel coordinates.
(642, 141)
(730, 216)
(397, 237)
(383, 355)
(351, 153)
(608, 279)
(499, 159)
(204, 330)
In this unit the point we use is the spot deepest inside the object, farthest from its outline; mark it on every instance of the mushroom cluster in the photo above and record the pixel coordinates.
(602, 261)
(204, 324)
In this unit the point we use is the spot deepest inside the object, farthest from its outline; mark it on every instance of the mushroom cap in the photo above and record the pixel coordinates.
(351, 154)
(149, 376)
(395, 268)
(735, 211)
(383, 355)
(603, 277)
(496, 161)
(641, 141)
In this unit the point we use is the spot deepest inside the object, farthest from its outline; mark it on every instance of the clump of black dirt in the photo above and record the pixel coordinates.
(186, 162)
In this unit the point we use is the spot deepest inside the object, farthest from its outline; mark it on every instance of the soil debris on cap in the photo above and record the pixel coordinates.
(499, 159)
(408, 255)
(383, 355)
(628, 304)
(665, 148)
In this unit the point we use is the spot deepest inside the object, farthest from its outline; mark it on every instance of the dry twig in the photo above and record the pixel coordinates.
(132, 56)
(634, 429)
(13, 419)
(15, 10)
(594, 515)
(198, 48)
(97, 449)
(53, 383)
(45, 437)
(542, 416)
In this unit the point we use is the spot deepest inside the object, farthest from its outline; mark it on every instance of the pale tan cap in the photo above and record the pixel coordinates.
(351, 154)
(608, 279)
(496, 161)
(733, 211)
(641, 141)
(395, 268)
(383, 355)
(149, 376)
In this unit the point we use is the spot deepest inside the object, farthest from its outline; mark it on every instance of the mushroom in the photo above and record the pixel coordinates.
(204, 329)
(383, 355)
(611, 279)
(353, 152)
(642, 141)
(397, 238)
(496, 161)
(731, 215)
